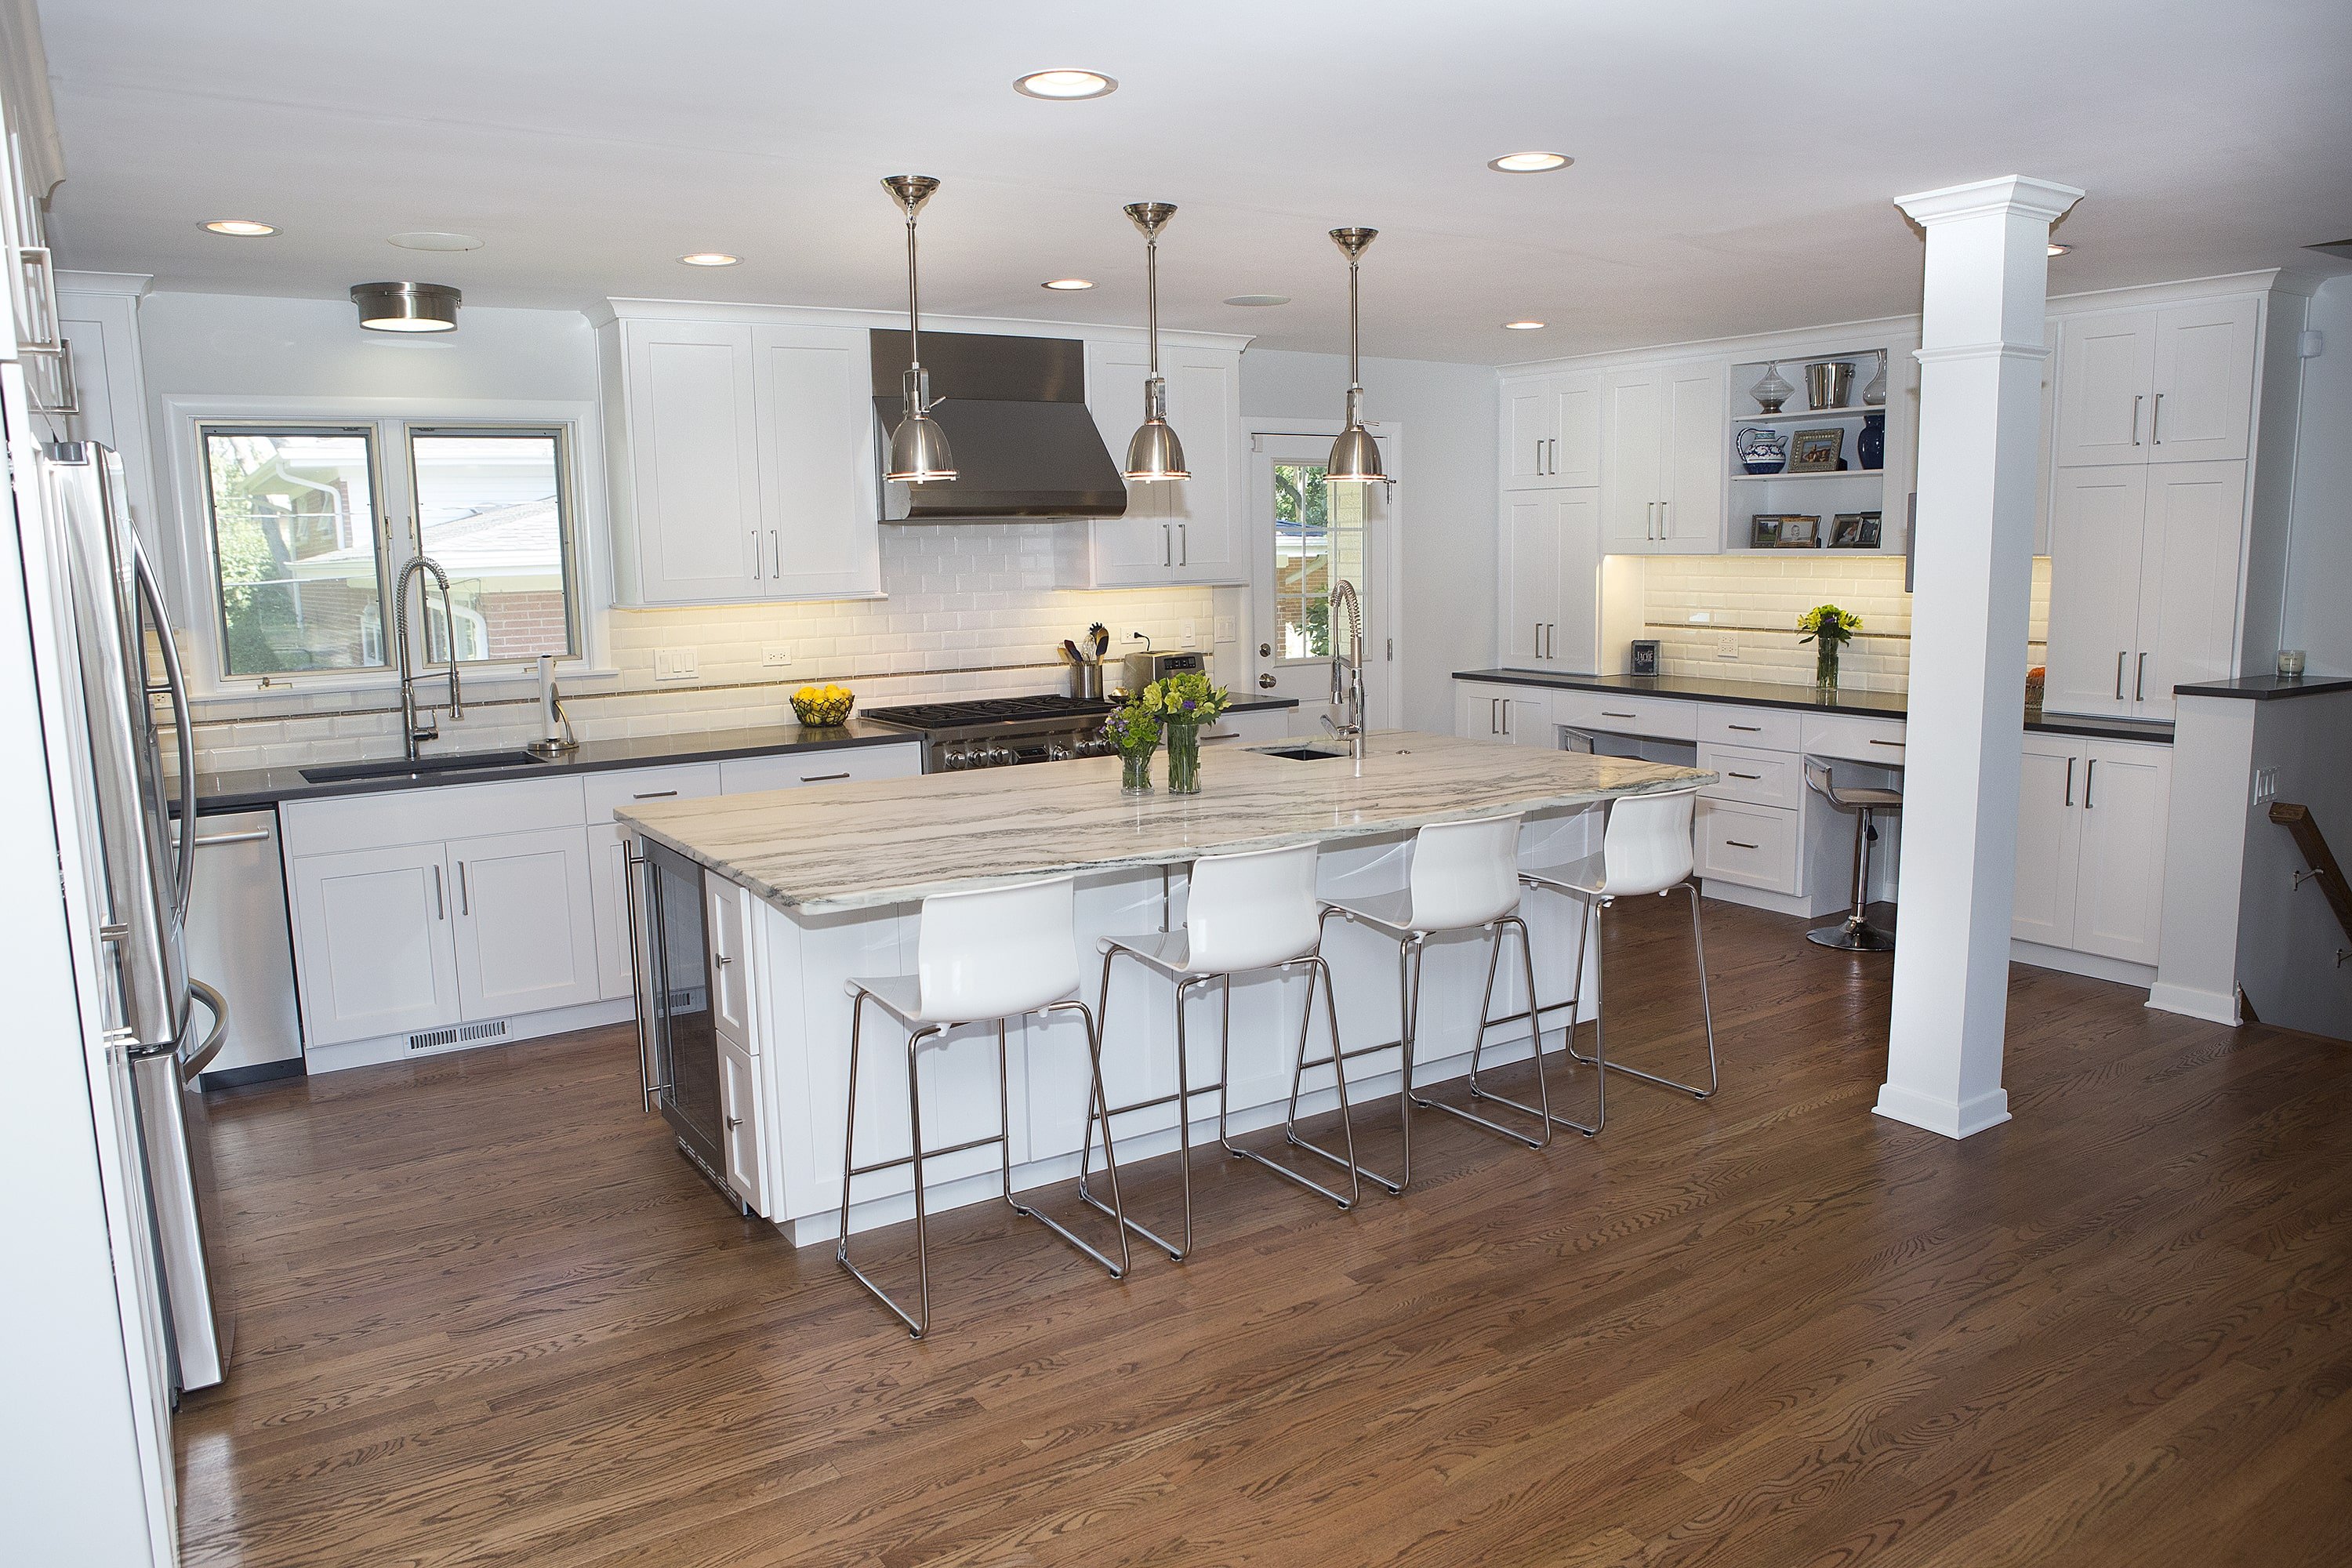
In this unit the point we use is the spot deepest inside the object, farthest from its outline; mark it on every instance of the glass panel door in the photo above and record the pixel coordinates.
(1310, 536)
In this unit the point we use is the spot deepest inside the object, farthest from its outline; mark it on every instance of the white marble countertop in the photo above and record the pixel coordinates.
(864, 844)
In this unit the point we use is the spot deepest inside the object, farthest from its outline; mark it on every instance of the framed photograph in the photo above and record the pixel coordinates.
(1764, 531)
(1855, 530)
(1801, 532)
(1646, 656)
(1816, 451)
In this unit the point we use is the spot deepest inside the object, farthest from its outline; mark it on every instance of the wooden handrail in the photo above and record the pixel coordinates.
(2296, 819)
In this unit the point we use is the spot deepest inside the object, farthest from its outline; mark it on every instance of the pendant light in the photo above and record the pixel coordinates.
(1355, 456)
(407, 307)
(918, 447)
(1154, 453)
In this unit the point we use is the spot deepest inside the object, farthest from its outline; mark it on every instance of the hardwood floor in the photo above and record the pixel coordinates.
(485, 1315)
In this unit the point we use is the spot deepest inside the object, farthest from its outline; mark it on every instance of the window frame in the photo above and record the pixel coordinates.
(389, 422)
(215, 590)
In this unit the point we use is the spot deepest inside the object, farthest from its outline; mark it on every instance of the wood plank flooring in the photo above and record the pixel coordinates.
(485, 1315)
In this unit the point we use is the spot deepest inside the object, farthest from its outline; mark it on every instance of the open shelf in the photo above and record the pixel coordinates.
(1785, 418)
(1833, 474)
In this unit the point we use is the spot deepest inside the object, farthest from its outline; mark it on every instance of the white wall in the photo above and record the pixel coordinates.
(1447, 491)
(2319, 551)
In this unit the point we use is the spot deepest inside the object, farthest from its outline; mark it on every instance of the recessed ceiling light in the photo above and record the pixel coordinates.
(2058, 249)
(711, 259)
(1065, 84)
(1522, 326)
(436, 240)
(1068, 284)
(1259, 299)
(1529, 162)
(241, 227)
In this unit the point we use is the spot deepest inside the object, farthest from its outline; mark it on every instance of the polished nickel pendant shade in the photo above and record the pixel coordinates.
(1355, 456)
(918, 447)
(1155, 453)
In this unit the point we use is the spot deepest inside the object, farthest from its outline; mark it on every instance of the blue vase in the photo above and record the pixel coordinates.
(1871, 444)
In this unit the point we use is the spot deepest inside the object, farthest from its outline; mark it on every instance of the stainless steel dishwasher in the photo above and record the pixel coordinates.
(238, 939)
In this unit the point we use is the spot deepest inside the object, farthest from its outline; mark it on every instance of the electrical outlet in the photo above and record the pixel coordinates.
(2265, 785)
(675, 664)
(1226, 631)
(1189, 633)
(1727, 645)
(774, 656)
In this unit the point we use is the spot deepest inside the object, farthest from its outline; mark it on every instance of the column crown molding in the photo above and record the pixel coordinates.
(2018, 194)
(1951, 351)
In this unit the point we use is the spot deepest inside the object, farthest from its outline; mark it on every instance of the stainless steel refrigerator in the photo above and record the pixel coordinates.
(119, 666)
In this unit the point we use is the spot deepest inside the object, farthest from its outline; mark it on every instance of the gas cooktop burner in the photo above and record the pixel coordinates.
(990, 711)
(998, 732)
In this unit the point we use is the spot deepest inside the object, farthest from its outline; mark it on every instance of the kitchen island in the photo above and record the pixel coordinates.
(825, 882)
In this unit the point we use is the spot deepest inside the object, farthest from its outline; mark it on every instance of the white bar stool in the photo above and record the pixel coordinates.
(1645, 848)
(986, 956)
(1244, 913)
(1465, 877)
(1855, 933)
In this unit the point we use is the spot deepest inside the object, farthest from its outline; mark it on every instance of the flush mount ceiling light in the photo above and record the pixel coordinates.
(1355, 456)
(918, 447)
(1065, 84)
(1259, 299)
(434, 239)
(711, 259)
(240, 227)
(407, 307)
(1529, 162)
(2058, 249)
(1522, 326)
(1068, 284)
(1154, 453)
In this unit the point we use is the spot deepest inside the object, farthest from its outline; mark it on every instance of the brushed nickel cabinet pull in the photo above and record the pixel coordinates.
(464, 899)
(440, 909)
(733, 1122)
(2121, 657)
(1896, 744)
(1606, 714)
(1746, 729)
(2139, 681)
(2089, 768)
(1750, 777)
(2136, 400)
(2070, 781)
(655, 795)
(2156, 423)
(824, 778)
(1740, 844)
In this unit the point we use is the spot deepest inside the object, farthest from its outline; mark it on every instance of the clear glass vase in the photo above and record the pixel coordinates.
(1135, 773)
(1825, 663)
(1183, 759)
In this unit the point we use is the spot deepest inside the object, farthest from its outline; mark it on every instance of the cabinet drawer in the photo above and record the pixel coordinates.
(430, 815)
(1612, 714)
(1759, 778)
(1878, 741)
(790, 770)
(1774, 729)
(684, 781)
(1755, 845)
(739, 1114)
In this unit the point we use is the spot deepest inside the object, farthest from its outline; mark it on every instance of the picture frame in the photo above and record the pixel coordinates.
(1764, 531)
(1817, 451)
(1856, 531)
(1801, 531)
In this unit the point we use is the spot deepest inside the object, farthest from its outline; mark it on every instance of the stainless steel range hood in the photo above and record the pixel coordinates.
(1014, 411)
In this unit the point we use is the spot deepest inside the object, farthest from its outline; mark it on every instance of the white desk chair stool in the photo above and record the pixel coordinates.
(1645, 848)
(986, 956)
(1465, 877)
(1244, 913)
(1855, 933)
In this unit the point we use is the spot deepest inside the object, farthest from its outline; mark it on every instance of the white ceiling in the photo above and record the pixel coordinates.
(1735, 161)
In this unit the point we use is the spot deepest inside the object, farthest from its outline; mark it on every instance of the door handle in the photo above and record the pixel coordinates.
(2070, 781)
(756, 573)
(2137, 400)
(1183, 545)
(2155, 422)
(1539, 456)
(2140, 680)
(1666, 527)
(733, 1122)
(1649, 520)
(2089, 768)
(1494, 715)
(1507, 714)
(255, 835)
(1538, 648)
(1167, 545)
(775, 556)
(1265, 683)
(2120, 657)
(722, 960)
(1551, 447)
(1551, 640)
(465, 902)
(440, 909)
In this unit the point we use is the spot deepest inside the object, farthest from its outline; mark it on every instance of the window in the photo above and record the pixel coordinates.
(1318, 539)
(306, 550)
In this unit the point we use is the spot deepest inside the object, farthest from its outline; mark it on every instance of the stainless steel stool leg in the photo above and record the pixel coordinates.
(1316, 968)
(918, 1325)
(1856, 934)
(1111, 1161)
(1541, 1110)
(1706, 1011)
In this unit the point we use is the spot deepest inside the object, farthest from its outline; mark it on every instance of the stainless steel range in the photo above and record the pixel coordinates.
(1001, 731)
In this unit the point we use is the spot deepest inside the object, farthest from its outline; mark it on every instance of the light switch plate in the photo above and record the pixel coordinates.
(774, 656)
(2265, 785)
(1189, 633)
(1226, 631)
(675, 664)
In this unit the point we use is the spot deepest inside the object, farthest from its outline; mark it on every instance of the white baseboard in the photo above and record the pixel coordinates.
(519, 1027)
(2090, 965)
(1776, 903)
(2214, 1007)
(1953, 1119)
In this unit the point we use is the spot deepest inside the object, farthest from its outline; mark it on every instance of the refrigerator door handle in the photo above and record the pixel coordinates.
(176, 684)
(217, 1006)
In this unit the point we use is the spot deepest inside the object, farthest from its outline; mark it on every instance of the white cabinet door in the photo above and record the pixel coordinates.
(724, 922)
(373, 946)
(2107, 379)
(1573, 459)
(694, 443)
(1633, 426)
(2204, 382)
(1528, 432)
(2189, 580)
(1692, 465)
(1574, 641)
(1527, 721)
(525, 923)
(2095, 523)
(1531, 572)
(818, 503)
(2120, 891)
(608, 888)
(1138, 549)
(739, 1122)
(1478, 711)
(1205, 410)
(2048, 809)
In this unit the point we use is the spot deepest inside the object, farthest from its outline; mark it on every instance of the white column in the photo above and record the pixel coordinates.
(1980, 420)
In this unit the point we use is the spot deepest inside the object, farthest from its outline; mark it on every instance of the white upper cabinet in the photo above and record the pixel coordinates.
(1662, 468)
(1551, 431)
(1551, 564)
(1182, 530)
(741, 460)
(2169, 384)
(2095, 522)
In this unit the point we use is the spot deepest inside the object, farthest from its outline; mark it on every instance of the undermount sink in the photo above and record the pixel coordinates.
(1300, 754)
(400, 767)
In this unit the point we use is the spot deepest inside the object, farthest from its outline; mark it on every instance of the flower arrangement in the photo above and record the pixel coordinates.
(1828, 628)
(1181, 704)
(1134, 732)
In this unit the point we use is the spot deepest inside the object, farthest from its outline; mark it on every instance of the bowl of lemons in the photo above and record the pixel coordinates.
(822, 707)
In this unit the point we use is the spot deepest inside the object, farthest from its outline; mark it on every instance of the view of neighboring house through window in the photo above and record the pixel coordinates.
(310, 530)
(294, 538)
(1318, 539)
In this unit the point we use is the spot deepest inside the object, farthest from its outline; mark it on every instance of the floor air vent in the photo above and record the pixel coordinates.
(456, 1035)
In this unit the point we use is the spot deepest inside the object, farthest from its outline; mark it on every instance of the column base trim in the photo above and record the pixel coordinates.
(1952, 1118)
(2213, 1006)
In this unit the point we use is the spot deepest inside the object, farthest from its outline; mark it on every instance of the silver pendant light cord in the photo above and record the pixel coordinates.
(913, 301)
(1151, 295)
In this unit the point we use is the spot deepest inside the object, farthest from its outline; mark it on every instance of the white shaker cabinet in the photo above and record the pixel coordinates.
(1517, 714)
(2174, 383)
(525, 928)
(1662, 469)
(1175, 531)
(1551, 576)
(1551, 431)
(371, 933)
(818, 499)
(2090, 845)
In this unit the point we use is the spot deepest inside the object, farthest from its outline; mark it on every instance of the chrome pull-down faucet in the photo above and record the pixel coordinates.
(1348, 674)
(412, 734)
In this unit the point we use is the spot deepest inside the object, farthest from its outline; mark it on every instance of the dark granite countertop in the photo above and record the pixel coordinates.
(2267, 688)
(1776, 694)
